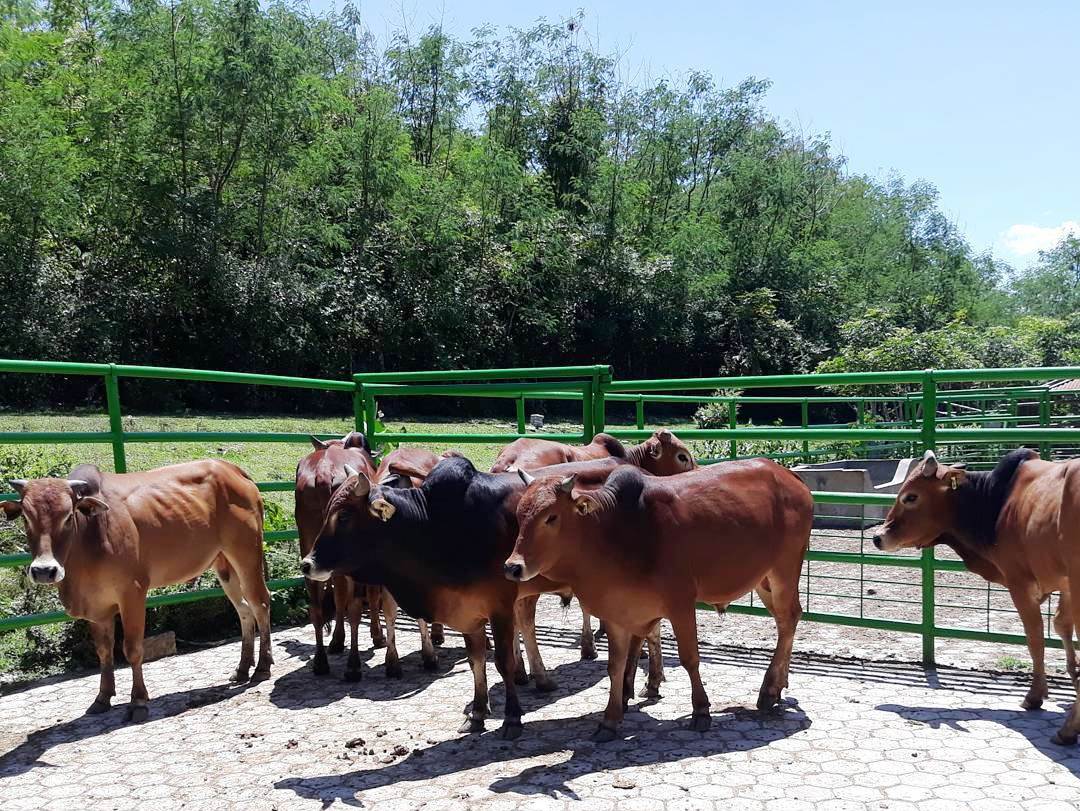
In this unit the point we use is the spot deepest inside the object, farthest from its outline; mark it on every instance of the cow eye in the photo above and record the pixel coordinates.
(911, 498)
(551, 519)
(682, 458)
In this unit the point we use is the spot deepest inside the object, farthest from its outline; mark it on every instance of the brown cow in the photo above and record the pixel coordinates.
(1017, 525)
(105, 539)
(643, 548)
(662, 454)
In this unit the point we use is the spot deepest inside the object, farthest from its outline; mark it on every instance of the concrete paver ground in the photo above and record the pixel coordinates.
(851, 735)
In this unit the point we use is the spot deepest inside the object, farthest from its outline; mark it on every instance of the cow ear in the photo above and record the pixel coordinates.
(11, 509)
(355, 439)
(382, 509)
(566, 485)
(665, 436)
(91, 505)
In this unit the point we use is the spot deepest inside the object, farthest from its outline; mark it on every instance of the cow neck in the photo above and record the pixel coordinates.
(978, 500)
(410, 503)
(637, 455)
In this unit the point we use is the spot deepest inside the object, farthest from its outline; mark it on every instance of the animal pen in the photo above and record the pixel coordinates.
(969, 415)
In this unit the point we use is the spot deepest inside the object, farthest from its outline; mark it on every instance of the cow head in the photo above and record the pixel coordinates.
(352, 528)
(666, 454)
(52, 510)
(924, 508)
(547, 509)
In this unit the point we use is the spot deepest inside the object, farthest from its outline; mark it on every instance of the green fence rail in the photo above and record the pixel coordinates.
(929, 403)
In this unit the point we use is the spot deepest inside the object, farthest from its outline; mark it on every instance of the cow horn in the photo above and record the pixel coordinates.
(929, 465)
(351, 471)
(567, 484)
(73, 483)
(318, 444)
(526, 477)
(665, 436)
(18, 485)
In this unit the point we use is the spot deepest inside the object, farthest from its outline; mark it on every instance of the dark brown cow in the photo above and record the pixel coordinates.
(643, 548)
(662, 454)
(105, 539)
(1017, 525)
(317, 474)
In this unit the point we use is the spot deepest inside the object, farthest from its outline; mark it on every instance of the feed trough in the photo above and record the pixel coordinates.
(853, 476)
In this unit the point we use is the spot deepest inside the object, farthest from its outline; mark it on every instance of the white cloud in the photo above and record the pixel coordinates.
(1026, 240)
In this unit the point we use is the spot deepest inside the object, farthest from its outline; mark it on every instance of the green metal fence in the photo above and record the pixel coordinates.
(939, 410)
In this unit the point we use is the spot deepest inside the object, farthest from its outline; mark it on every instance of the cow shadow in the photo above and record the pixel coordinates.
(644, 741)
(1038, 726)
(27, 755)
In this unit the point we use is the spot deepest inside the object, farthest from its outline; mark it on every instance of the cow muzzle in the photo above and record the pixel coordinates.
(516, 570)
(46, 570)
(310, 570)
(882, 539)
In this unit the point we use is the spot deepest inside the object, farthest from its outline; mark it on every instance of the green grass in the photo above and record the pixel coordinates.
(1012, 663)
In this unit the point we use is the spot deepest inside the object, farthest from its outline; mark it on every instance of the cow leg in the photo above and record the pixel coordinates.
(343, 592)
(438, 637)
(103, 633)
(375, 598)
(588, 644)
(476, 646)
(427, 649)
(133, 618)
(320, 664)
(685, 627)
(353, 670)
(781, 597)
(257, 596)
(230, 584)
(601, 630)
(521, 675)
(618, 650)
(1063, 625)
(525, 612)
(502, 628)
(1027, 606)
(1068, 732)
(390, 611)
(656, 664)
(630, 672)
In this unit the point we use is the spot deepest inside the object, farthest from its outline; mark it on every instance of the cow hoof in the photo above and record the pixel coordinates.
(137, 713)
(1063, 740)
(99, 706)
(521, 677)
(766, 700)
(353, 675)
(511, 730)
(260, 674)
(240, 676)
(431, 664)
(545, 684)
(437, 638)
(588, 654)
(393, 670)
(700, 723)
(336, 646)
(644, 654)
(603, 734)
(600, 633)
(379, 643)
(320, 667)
(649, 692)
(472, 725)
(1030, 703)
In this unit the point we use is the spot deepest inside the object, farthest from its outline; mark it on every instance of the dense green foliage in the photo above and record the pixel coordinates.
(224, 184)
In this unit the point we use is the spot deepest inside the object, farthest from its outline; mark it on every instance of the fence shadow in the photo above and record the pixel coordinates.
(646, 741)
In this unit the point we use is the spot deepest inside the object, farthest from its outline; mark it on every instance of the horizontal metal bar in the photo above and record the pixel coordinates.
(48, 367)
(987, 435)
(215, 436)
(276, 487)
(51, 617)
(507, 390)
(834, 619)
(280, 535)
(755, 434)
(1009, 374)
(768, 381)
(538, 372)
(475, 439)
(244, 378)
(858, 559)
(832, 497)
(58, 437)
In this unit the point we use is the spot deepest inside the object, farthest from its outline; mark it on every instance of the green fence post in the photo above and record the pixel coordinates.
(601, 380)
(588, 411)
(520, 414)
(371, 417)
(929, 442)
(806, 424)
(358, 408)
(639, 413)
(733, 423)
(116, 420)
(1044, 422)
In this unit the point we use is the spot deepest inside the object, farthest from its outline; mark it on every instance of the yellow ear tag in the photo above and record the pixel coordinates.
(954, 482)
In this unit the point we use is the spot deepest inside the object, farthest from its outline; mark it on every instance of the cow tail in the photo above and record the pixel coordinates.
(329, 608)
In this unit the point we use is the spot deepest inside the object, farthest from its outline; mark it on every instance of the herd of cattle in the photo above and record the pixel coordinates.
(637, 534)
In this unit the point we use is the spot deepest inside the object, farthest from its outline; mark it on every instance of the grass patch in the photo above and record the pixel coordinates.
(1012, 663)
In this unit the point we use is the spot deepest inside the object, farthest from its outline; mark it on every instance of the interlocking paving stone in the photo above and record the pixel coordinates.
(850, 736)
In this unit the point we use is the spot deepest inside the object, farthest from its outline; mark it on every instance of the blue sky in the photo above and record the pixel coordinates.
(982, 99)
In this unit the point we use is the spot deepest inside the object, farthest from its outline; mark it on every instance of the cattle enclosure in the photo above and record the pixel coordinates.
(965, 413)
